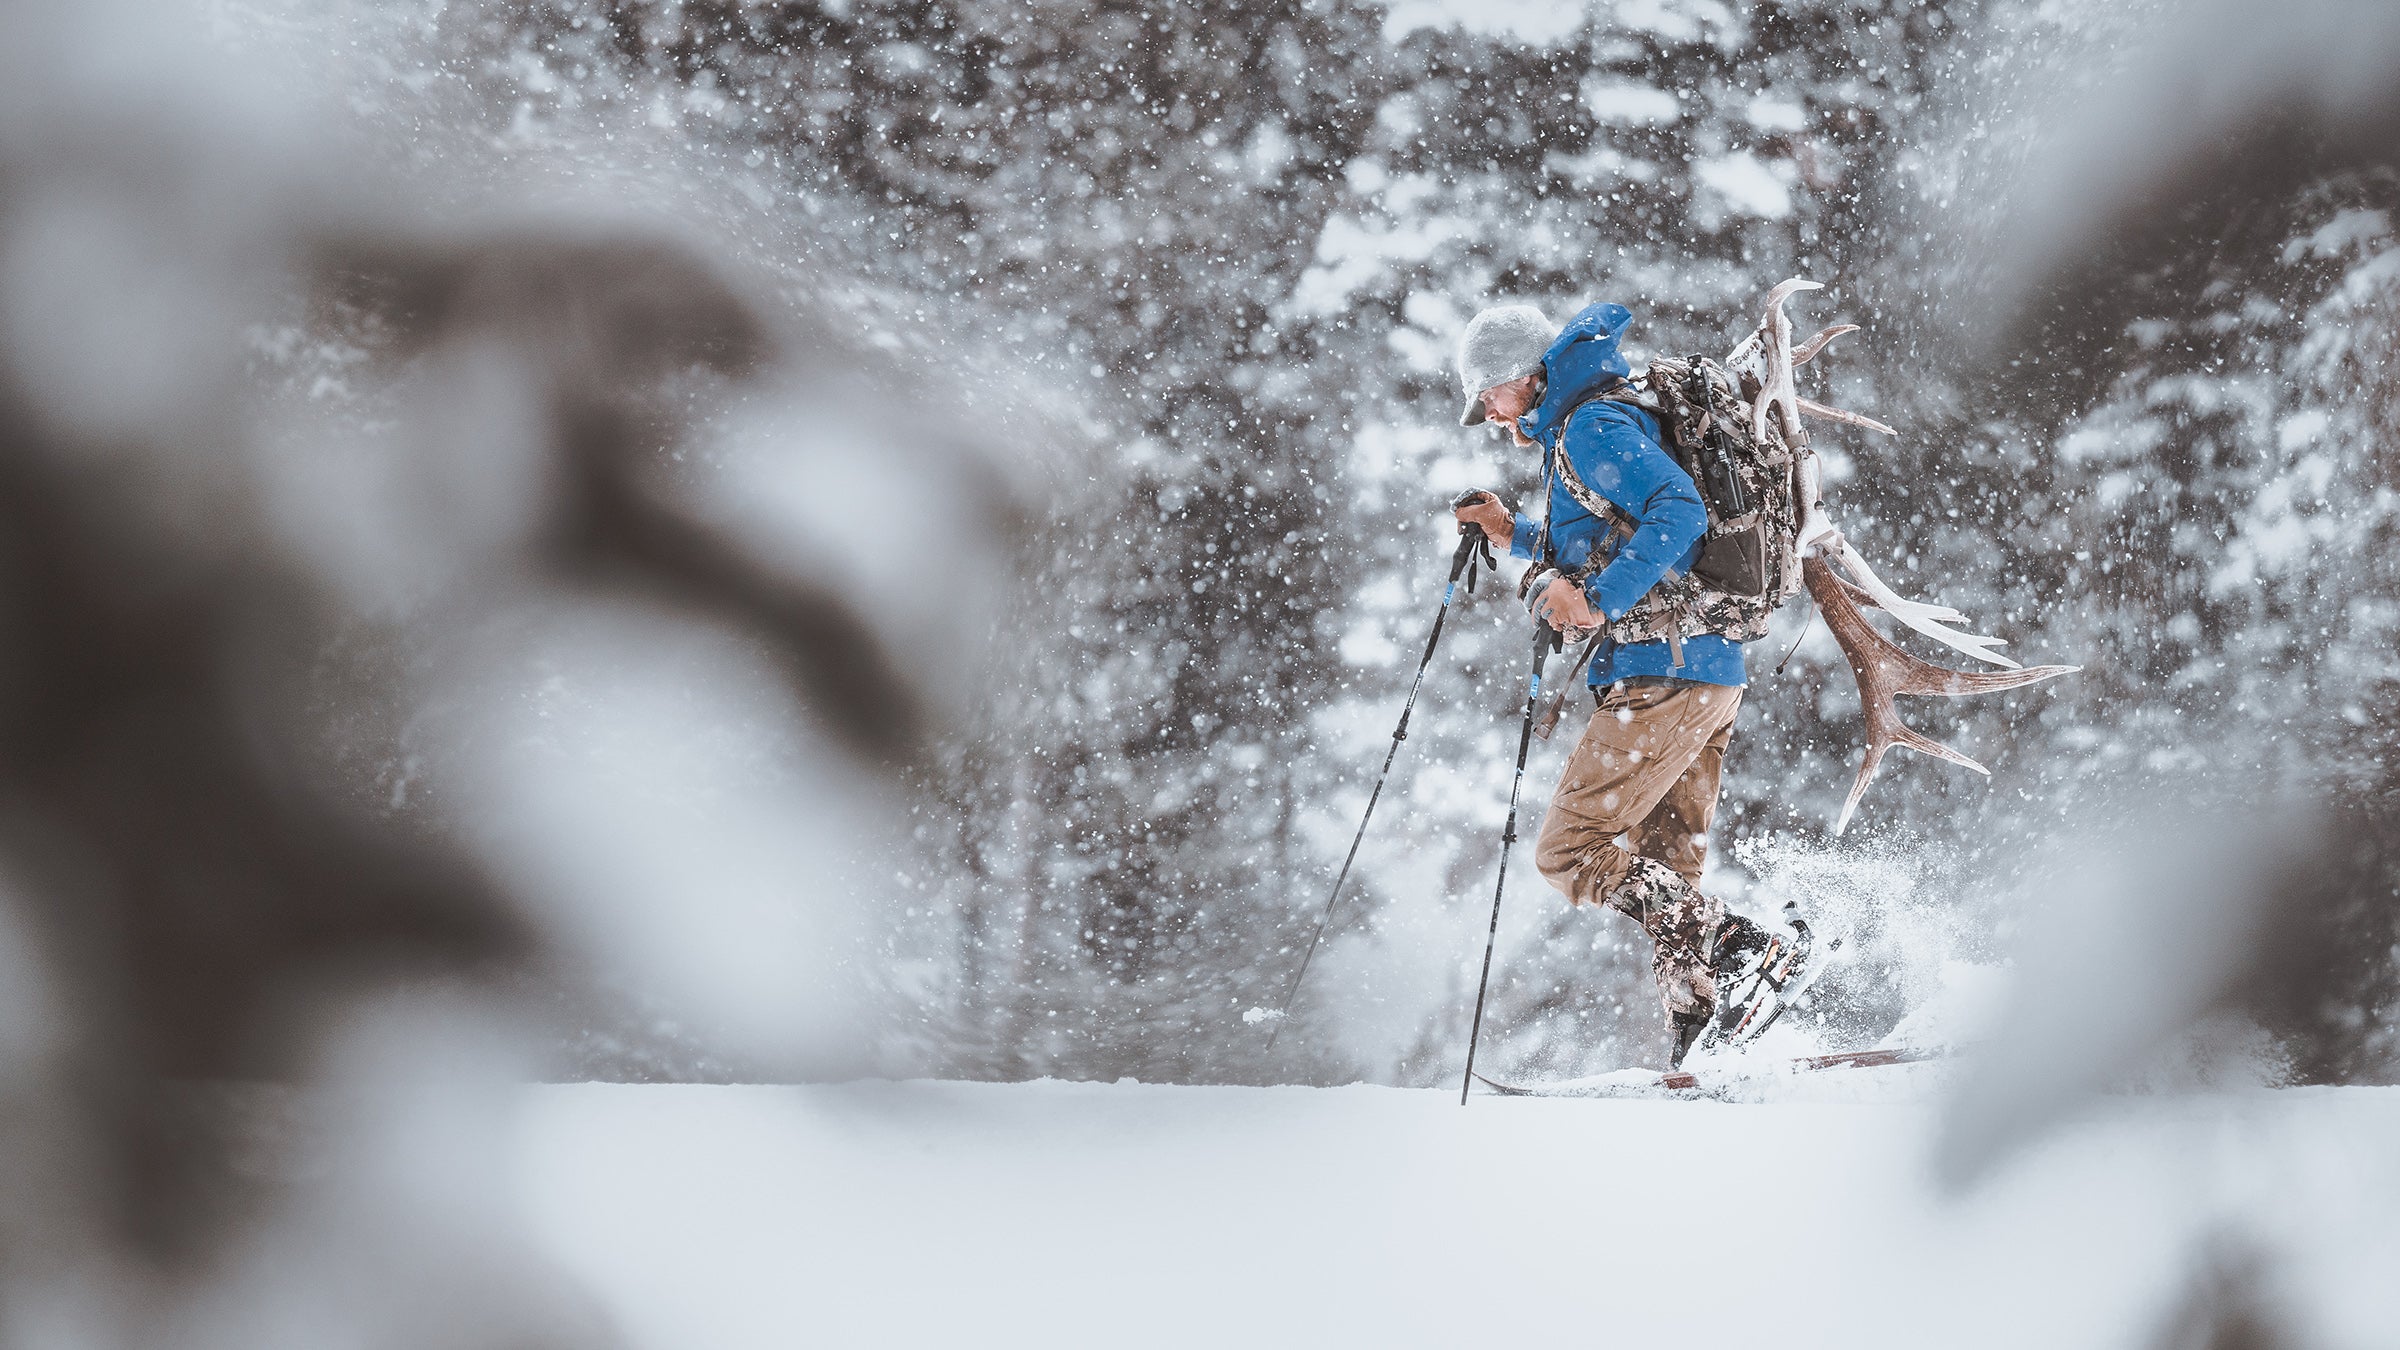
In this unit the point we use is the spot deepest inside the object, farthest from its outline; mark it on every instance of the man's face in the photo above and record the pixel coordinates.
(1503, 404)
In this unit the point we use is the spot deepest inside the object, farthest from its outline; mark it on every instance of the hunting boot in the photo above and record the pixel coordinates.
(1741, 945)
(1688, 1027)
(1759, 974)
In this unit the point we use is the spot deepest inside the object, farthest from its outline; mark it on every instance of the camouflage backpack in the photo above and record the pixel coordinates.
(1749, 563)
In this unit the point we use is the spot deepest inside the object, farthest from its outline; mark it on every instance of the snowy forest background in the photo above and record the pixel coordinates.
(1202, 266)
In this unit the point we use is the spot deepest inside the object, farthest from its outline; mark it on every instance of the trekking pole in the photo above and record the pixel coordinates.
(1471, 544)
(1545, 640)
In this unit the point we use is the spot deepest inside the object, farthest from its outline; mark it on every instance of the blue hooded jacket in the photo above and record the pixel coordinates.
(1616, 451)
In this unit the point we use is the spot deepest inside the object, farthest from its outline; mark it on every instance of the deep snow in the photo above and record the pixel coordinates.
(1069, 1214)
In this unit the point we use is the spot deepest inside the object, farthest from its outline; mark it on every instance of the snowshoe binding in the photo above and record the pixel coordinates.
(1759, 976)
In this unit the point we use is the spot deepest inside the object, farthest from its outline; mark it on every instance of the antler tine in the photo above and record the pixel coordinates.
(1809, 349)
(1859, 595)
(1815, 409)
(1931, 620)
(1746, 353)
(1742, 355)
(1775, 387)
(1885, 672)
(1818, 532)
(1785, 290)
(1894, 734)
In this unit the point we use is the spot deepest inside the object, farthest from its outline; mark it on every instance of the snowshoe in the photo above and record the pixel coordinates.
(1762, 980)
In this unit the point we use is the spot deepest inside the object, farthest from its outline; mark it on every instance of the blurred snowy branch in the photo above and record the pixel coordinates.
(411, 579)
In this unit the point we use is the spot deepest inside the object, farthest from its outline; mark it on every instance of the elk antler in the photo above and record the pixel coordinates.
(1768, 358)
(1885, 672)
(1809, 349)
(1765, 360)
(1767, 355)
(1813, 408)
(1932, 620)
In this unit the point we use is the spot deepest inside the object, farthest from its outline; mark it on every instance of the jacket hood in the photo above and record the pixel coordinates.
(1583, 361)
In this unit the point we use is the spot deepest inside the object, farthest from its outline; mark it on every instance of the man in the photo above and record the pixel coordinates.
(1628, 825)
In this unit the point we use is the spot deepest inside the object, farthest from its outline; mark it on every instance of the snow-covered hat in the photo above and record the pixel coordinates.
(1499, 345)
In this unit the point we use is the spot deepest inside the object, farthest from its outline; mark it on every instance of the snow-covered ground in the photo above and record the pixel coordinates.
(1065, 1214)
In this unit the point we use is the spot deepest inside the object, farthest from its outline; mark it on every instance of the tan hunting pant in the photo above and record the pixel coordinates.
(1648, 769)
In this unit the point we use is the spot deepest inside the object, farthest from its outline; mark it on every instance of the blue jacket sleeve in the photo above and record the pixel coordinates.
(1616, 458)
(1520, 544)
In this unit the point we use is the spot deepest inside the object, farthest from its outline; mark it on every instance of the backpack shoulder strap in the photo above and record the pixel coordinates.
(1632, 393)
(1602, 509)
